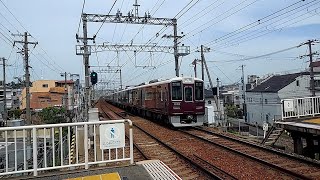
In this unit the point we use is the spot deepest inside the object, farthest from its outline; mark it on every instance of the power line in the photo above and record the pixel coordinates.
(83, 4)
(265, 32)
(106, 18)
(259, 21)
(260, 56)
(14, 16)
(222, 14)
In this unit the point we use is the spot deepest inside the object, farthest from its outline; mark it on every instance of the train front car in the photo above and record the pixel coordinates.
(186, 106)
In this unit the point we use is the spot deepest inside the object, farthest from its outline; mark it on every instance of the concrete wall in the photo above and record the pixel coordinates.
(262, 107)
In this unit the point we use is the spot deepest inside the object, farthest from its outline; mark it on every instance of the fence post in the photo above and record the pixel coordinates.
(282, 109)
(313, 105)
(35, 151)
(131, 141)
(86, 157)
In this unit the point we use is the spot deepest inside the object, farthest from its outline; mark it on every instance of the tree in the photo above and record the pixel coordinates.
(52, 115)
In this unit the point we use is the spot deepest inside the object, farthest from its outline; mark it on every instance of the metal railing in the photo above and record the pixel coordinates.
(300, 107)
(39, 148)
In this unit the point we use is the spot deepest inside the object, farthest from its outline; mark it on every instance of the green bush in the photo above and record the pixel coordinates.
(53, 115)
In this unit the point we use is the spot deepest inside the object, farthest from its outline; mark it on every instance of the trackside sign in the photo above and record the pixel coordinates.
(112, 136)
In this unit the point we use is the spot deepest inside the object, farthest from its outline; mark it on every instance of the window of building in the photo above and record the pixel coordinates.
(176, 90)
(266, 101)
(297, 83)
(199, 91)
(209, 102)
(316, 83)
(188, 93)
(45, 85)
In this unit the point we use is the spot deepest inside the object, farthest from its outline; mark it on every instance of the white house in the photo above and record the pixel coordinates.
(264, 101)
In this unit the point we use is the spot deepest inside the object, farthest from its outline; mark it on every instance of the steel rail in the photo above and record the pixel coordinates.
(276, 167)
(302, 159)
(188, 159)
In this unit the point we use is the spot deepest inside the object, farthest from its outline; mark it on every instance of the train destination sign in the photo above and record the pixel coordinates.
(112, 136)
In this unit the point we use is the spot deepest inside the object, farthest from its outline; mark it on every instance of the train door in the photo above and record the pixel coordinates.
(141, 97)
(188, 97)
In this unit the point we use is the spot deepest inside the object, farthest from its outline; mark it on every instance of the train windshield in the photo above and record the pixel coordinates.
(199, 91)
(176, 91)
(188, 93)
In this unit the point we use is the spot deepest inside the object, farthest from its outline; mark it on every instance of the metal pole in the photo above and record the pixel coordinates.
(86, 67)
(195, 67)
(5, 114)
(65, 92)
(175, 46)
(120, 79)
(239, 126)
(244, 107)
(202, 63)
(218, 98)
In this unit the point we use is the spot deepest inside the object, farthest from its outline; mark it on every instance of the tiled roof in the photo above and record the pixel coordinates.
(276, 83)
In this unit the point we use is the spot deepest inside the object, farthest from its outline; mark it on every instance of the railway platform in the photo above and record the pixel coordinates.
(301, 118)
(148, 170)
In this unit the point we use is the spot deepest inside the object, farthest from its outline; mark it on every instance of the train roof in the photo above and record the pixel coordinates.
(183, 79)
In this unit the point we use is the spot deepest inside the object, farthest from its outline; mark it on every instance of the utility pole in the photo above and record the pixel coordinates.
(25, 43)
(313, 92)
(25, 51)
(195, 67)
(218, 95)
(202, 63)
(120, 79)
(312, 85)
(244, 107)
(5, 112)
(203, 60)
(65, 91)
(86, 53)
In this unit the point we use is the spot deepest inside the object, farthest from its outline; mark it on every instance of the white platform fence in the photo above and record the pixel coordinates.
(39, 148)
(300, 107)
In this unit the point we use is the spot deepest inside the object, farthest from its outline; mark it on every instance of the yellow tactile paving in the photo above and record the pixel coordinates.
(314, 121)
(109, 176)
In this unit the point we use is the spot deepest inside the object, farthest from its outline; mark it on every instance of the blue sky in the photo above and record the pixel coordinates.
(54, 25)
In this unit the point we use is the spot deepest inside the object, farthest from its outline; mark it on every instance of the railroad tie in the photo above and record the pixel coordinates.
(72, 147)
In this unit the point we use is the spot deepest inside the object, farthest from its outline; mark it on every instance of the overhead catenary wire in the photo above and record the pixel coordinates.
(265, 32)
(83, 5)
(260, 21)
(13, 16)
(114, 3)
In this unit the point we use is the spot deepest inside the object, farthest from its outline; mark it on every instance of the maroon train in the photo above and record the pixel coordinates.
(178, 101)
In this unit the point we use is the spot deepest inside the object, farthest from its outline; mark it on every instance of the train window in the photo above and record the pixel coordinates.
(199, 91)
(176, 91)
(149, 95)
(188, 93)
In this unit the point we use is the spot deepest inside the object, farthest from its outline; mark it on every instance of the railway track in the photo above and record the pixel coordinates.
(218, 158)
(296, 168)
(186, 167)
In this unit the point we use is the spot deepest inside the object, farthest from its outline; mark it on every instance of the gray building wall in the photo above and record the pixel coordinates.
(298, 88)
(262, 107)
